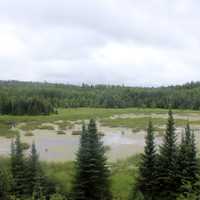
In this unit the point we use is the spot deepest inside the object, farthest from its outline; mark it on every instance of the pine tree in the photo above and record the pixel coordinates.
(147, 171)
(4, 184)
(167, 172)
(13, 158)
(80, 184)
(38, 184)
(92, 174)
(32, 169)
(184, 156)
(194, 165)
(188, 163)
(38, 192)
(18, 168)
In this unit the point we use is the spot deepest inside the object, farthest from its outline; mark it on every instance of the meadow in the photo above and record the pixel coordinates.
(106, 116)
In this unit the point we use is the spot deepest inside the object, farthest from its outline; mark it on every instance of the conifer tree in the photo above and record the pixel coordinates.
(188, 163)
(147, 171)
(184, 155)
(38, 192)
(18, 168)
(4, 184)
(32, 169)
(167, 172)
(92, 174)
(80, 184)
(13, 158)
(194, 165)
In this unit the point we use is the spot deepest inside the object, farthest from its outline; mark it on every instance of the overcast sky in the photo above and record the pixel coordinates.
(131, 42)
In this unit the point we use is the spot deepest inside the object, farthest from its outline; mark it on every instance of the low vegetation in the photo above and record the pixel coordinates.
(29, 134)
(7, 131)
(140, 123)
(61, 132)
(66, 118)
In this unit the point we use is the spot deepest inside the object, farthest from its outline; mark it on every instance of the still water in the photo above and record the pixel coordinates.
(54, 147)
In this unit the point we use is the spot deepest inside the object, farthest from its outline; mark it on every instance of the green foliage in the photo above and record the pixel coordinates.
(188, 163)
(147, 173)
(188, 192)
(25, 106)
(140, 123)
(5, 130)
(28, 176)
(57, 197)
(92, 174)
(39, 98)
(46, 127)
(5, 184)
(33, 168)
(168, 168)
(174, 172)
(123, 177)
(18, 168)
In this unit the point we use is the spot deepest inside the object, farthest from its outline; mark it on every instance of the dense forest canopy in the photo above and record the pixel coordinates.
(42, 98)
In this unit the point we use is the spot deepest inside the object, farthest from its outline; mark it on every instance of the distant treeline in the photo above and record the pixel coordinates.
(25, 106)
(70, 96)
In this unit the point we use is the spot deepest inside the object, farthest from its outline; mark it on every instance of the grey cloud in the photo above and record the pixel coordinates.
(62, 40)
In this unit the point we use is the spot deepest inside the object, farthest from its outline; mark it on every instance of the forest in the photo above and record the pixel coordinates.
(168, 172)
(32, 98)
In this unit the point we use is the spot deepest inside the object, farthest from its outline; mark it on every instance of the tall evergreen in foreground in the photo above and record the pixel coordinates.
(80, 184)
(167, 171)
(32, 169)
(18, 168)
(147, 171)
(4, 184)
(188, 164)
(92, 174)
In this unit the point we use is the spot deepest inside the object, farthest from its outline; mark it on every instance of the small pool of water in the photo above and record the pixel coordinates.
(53, 147)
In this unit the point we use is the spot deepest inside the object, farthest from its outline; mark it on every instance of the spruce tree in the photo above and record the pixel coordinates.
(5, 184)
(80, 183)
(18, 168)
(147, 170)
(32, 169)
(38, 190)
(188, 163)
(92, 174)
(184, 156)
(194, 164)
(168, 171)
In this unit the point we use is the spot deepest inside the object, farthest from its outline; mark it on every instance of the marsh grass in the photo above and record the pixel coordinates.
(61, 132)
(31, 125)
(123, 175)
(46, 127)
(29, 134)
(102, 114)
(140, 123)
(6, 131)
(25, 146)
(75, 114)
(64, 125)
(76, 132)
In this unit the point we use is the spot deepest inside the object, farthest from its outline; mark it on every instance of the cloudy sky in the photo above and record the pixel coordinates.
(131, 42)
